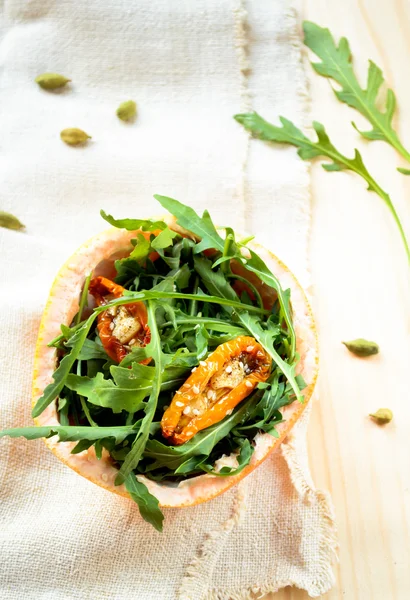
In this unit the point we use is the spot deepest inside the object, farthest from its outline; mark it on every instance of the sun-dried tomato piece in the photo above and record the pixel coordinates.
(215, 387)
(120, 328)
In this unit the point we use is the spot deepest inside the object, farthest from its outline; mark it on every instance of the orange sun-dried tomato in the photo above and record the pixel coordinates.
(120, 327)
(215, 387)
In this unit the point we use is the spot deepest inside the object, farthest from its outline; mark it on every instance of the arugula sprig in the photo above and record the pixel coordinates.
(138, 446)
(308, 149)
(337, 65)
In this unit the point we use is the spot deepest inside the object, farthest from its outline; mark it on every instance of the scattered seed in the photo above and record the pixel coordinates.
(202, 363)
(187, 410)
(248, 384)
(112, 326)
(189, 432)
(196, 389)
(249, 349)
(229, 412)
(228, 369)
(179, 404)
(193, 370)
(131, 342)
(186, 386)
(195, 411)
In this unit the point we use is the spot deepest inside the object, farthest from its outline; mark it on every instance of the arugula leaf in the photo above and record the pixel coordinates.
(201, 341)
(164, 239)
(290, 134)
(201, 444)
(141, 249)
(138, 446)
(70, 433)
(133, 224)
(81, 446)
(182, 277)
(216, 283)
(61, 373)
(126, 392)
(243, 458)
(337, 65)
(191, 464)
(257, 266)
(200, 226)
(264, 337)
(91, 349)
(129, 388)
(147, 503)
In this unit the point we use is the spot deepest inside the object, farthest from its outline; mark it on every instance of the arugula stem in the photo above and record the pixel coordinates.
(55, 342)
(193, 308)
(227, 246)
(249, 284)
(214, 324)
(132, 297)
(83, 402)
(130, 418)
(134, 456)
(87, 412)
(84, 298)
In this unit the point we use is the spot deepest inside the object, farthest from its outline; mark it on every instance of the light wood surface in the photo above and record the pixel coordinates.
(362, 289)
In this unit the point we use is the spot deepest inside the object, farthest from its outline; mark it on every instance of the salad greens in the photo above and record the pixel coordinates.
(195, 300)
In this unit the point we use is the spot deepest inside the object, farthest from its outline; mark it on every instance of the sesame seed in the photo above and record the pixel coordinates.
(189, 433)
(209, 394)
(249, 349)
(131, 342)
(195, 411)
(112, 326)
(196, 389)
(241, 364)
(193, 370)
(187, 410)
(202, 363)
(259, 353)
(186, 386)
(229, 412)
(179, 404)
(248, 384)
(228, 369)
(178, 392)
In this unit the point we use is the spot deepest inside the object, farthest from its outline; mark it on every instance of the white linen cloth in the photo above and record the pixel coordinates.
(190, 66)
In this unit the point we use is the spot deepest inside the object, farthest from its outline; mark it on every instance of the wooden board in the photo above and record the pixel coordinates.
(362, 289)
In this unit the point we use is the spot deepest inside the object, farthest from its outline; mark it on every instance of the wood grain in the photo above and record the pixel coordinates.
(362, 289)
